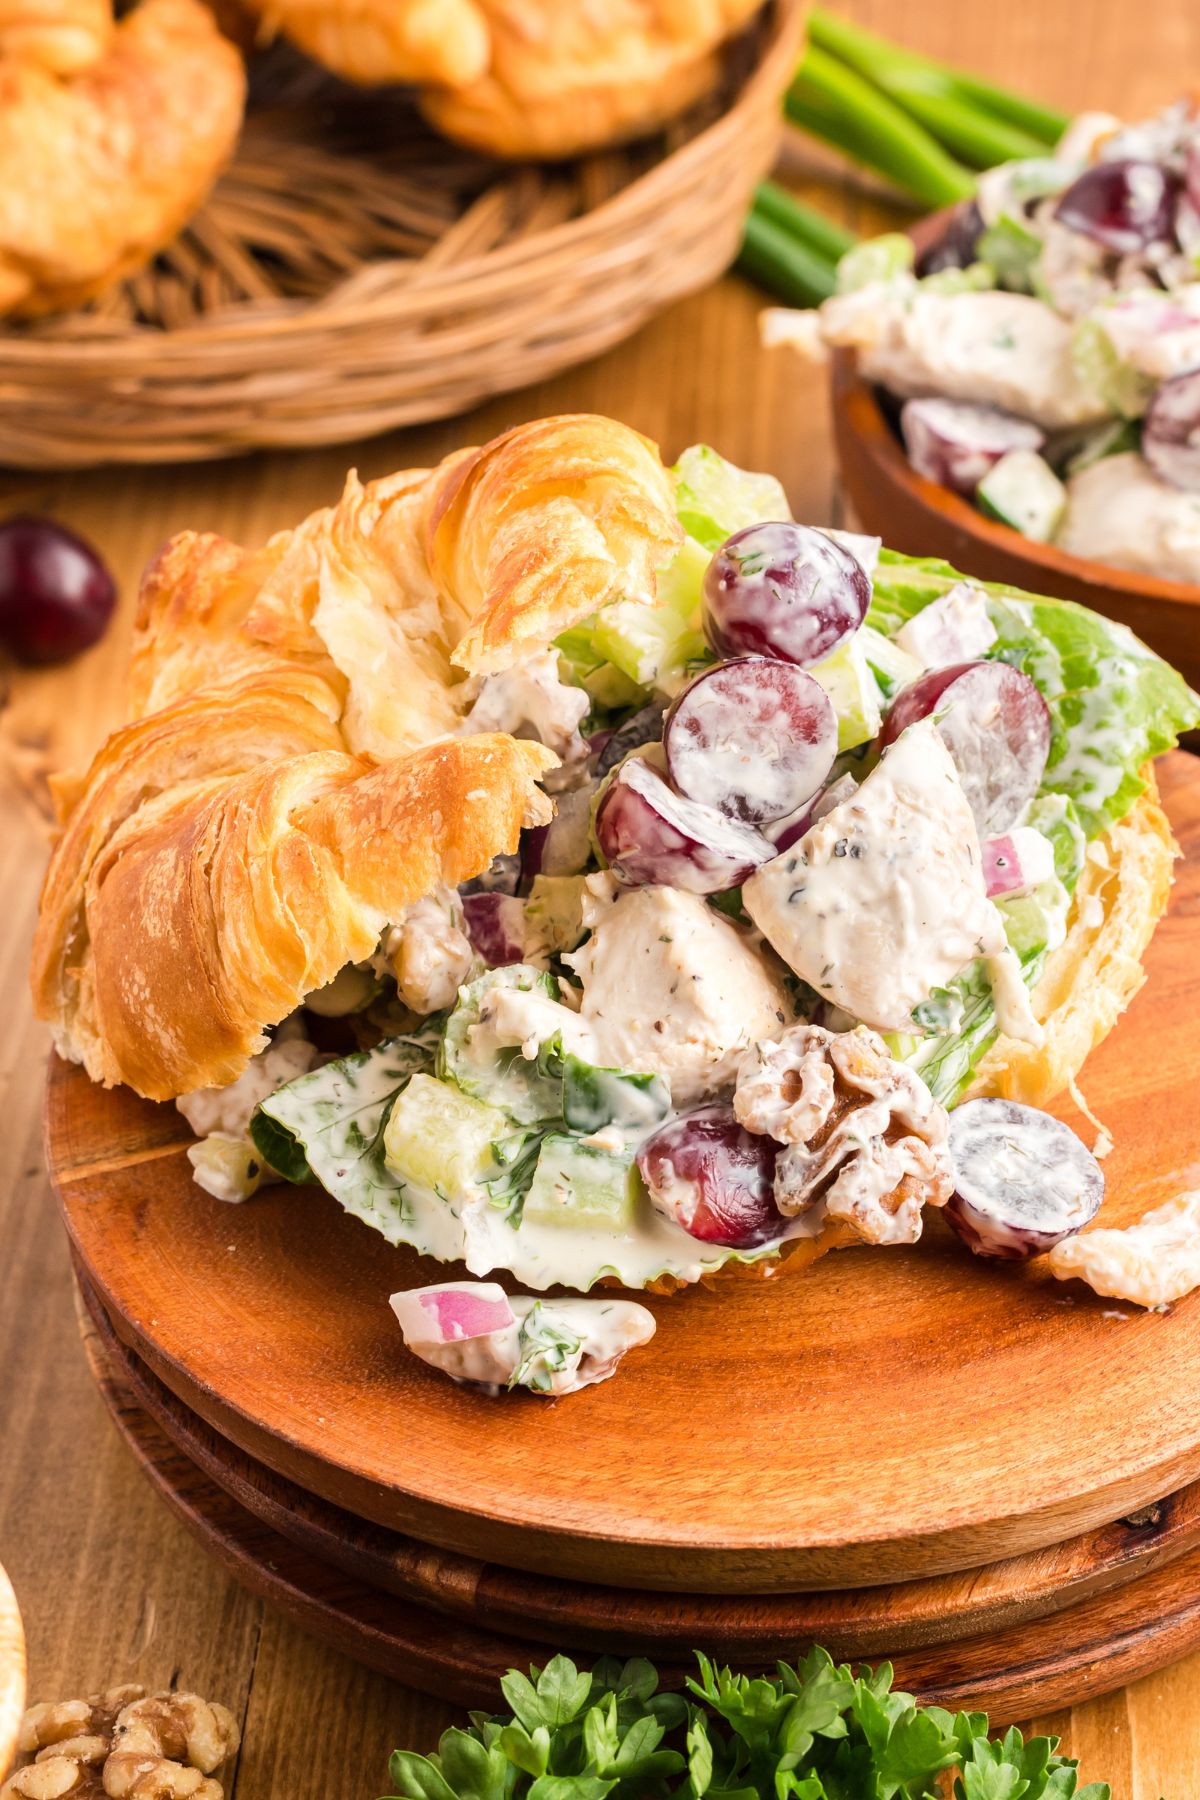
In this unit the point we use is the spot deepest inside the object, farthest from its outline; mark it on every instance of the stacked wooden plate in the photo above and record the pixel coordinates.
(965, 1467)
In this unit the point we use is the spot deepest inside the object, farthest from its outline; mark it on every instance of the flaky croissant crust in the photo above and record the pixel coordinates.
(102, 166)
(289, 781)
(524, 77)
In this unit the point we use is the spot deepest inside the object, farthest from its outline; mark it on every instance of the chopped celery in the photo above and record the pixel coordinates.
(976, 278)
(1121, 387)
(649, 644)
(1011, 250)
(438, 1137)
(681, 581)
(847, 679)
(1023, 491)
(576, 645)
(580, 1185)
(891, 666)
(555, 910)
(879, 259)
(611, 689)
(715, 498)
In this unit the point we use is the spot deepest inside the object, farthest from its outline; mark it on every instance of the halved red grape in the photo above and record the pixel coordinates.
(56, 596)
(995, 725)
(755, 738)
(1022, 1180)
(496, 927)
(784, 590)
(1191, 172)
(955, 442)
(1171, 432)
(1124, 205)
(654, 837)
(713, 1178)
(956, 247)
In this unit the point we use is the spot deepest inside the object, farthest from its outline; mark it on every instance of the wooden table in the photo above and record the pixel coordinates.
(113, 1589)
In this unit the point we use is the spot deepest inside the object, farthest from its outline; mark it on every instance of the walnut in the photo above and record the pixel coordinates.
(864, 1140)
(123, 1745)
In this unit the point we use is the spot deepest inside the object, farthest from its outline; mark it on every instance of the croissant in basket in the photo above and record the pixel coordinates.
(110, 138)
(61, 35)
(525, 77)
(327, 830)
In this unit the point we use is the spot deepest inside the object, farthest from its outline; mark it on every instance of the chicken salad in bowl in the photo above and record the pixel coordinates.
(1040, 356)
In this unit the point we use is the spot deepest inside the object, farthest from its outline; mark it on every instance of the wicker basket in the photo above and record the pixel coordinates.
(352, 273)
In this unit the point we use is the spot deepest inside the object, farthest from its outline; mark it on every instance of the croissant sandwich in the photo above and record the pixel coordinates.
(110, 139)
(581, 869)
(524, 77)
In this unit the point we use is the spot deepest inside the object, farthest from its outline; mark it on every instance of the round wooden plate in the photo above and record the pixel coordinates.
(1085, 1651)
(884, 1417)
(923, 518)
(870, 1622)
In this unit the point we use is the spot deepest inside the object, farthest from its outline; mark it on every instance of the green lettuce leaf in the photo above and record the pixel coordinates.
(1113, 703)
(332, 1120)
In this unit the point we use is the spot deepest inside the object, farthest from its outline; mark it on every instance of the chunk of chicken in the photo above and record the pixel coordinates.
(883, 900)
(672, 987)
(997, 349)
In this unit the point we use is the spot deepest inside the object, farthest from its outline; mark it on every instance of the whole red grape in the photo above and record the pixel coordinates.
(56, 596)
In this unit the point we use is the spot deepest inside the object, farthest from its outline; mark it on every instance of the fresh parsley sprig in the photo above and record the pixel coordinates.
(815, 1731)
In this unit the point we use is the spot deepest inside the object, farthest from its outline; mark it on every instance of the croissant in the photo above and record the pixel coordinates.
(62, 35)
(277, 798)
(562, 79)
(524, 77)
(100, 169)
(371, 41)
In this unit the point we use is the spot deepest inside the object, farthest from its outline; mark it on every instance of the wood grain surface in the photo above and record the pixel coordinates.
(271, 1321)
(861, 1622)
(1086, 1650)
(111, 1586)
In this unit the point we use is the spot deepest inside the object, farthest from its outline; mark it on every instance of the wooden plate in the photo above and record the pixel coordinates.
(926, 519)
(572, 1615)
(1085, 1651)
(887, 1416)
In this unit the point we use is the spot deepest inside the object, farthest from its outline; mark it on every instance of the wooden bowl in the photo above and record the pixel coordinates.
(12, 1673)
(352, 273)
(925, 519)
(882, 1417)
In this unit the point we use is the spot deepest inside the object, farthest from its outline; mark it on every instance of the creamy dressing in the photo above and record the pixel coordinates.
(225, 1163)
(553, 1347)
(473, 1231)
(993, 348)
(883, 899)
(530, 699)
(1119, 512)
(428, 951)
(953, 628)
(1152, 1263)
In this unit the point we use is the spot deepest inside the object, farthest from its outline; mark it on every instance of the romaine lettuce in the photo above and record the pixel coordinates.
(1113, 703)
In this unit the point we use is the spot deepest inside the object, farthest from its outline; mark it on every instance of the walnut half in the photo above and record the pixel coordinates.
(123, 1745)
(864, 1140)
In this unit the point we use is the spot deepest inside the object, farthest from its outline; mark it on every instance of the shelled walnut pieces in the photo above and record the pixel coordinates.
(865, 1145)
(124, 1745)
